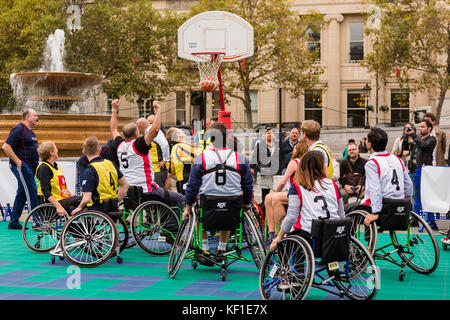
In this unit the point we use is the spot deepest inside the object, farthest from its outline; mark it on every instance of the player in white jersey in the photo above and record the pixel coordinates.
(134, 157)
(311, 196)
(386, 176)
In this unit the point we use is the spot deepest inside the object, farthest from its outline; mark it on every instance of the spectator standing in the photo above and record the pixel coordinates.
(352, 174)
(441, 140)
(287, 146)
(265, 161)
(21, 148)
(363, 146)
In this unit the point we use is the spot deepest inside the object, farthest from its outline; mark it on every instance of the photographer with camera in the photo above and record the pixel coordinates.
(420, 152)
(352, 174)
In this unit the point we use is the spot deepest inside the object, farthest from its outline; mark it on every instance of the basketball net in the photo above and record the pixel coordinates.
(208, 64)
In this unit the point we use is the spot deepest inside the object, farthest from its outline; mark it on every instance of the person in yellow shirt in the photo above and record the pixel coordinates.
(101, 180)
(51, 182)
(182, 157)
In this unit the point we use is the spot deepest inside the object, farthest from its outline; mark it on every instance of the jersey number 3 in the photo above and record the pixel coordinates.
(325, 206)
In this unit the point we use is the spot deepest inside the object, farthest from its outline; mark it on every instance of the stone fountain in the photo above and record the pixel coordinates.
(66, 102)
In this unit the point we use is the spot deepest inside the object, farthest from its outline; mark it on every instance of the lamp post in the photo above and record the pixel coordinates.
(366, 91)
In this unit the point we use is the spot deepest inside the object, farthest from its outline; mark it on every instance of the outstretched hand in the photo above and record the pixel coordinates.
(156, 105)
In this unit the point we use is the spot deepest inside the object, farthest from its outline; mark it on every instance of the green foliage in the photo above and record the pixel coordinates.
(414, 38)
(24, 28)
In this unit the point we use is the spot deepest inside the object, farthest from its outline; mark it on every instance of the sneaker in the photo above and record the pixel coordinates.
(445, 240)
(203, 260)
(219, 255)
(15, 227)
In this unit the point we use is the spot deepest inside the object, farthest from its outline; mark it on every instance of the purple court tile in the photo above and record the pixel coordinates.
(211, 287)
(16, 278)
(5, 262)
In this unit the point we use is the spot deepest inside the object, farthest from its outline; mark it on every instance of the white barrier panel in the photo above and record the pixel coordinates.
(435, 189)
(8, 182)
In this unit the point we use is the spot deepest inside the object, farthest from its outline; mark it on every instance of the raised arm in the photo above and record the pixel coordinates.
(151, 134)
(113, 123)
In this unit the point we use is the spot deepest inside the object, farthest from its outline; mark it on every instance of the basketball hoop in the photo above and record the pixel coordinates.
(208, 64)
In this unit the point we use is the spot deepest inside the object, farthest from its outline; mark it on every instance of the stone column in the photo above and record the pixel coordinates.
(331, 117)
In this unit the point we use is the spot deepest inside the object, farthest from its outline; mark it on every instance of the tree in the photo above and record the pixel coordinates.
(125, 41)
(281, 57)
(412, 45)
(24, 28)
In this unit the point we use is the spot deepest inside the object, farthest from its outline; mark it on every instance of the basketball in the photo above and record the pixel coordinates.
(208, 83)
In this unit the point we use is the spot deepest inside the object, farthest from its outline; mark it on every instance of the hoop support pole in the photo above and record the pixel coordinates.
(222, 100)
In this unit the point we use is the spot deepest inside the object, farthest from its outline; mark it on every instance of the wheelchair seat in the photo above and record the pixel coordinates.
(394, 214)
(111, 208)
(221, 213)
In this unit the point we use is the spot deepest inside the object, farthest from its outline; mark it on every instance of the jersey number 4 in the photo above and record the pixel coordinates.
(111, 181)
(394, 180)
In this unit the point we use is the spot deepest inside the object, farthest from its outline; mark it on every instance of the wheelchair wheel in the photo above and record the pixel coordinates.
(288, 272)
(154, 227)
(358, 278)
(42, 228)
(181, 245)
(124, 235)
(418, 248)
(252, 235)
(89, 239)
(366, 235)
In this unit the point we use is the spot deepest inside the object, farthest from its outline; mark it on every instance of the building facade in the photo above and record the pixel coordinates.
(338, 101)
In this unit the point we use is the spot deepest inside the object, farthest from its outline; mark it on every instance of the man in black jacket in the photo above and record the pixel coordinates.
(425, 143)
(287, 146)
(352, 173)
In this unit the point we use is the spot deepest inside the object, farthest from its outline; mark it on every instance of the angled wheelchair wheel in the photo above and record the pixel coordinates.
(89, 239)
(358, 278)
(288, 272)
(42, 228)
(366, 235)
(154, 227)
(253, 238)
(418, 246)
(183, 243)
(122, 229)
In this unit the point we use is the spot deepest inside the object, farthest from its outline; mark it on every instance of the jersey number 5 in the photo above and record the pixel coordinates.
(124, 160)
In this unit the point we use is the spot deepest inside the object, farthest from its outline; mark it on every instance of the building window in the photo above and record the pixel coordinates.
(313, 43)
(356, 52)
(108, 106)
(180, 108)
(356, 110)
(254, 108)
(215, 108)
(313, 105)
(399, 106)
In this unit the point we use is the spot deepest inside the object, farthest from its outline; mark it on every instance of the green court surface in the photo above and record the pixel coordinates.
(25, 274)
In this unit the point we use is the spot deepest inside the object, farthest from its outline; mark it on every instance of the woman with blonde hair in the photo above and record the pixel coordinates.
(311, 196)
(275, 201)
(51, 182)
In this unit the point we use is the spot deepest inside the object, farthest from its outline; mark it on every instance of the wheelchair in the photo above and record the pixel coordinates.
(331, 260)
(153, 224)
(90, 238)
(42, 228)
(412, 242)
(217, 213)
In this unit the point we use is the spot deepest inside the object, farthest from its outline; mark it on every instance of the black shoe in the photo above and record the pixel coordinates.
(219, 255)
(15, 227)
(203, 260)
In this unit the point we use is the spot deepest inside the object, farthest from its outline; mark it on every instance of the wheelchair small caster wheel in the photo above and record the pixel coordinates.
(223, 276)
(401, 276)
(61, 258)
(194, 264)
(53, 260)
(119, 260)
(444, 246)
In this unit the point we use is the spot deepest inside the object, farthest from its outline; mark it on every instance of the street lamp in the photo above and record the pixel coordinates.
(140, 104)
(366, 91)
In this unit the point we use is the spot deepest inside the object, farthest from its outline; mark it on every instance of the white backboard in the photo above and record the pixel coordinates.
(216, 31)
